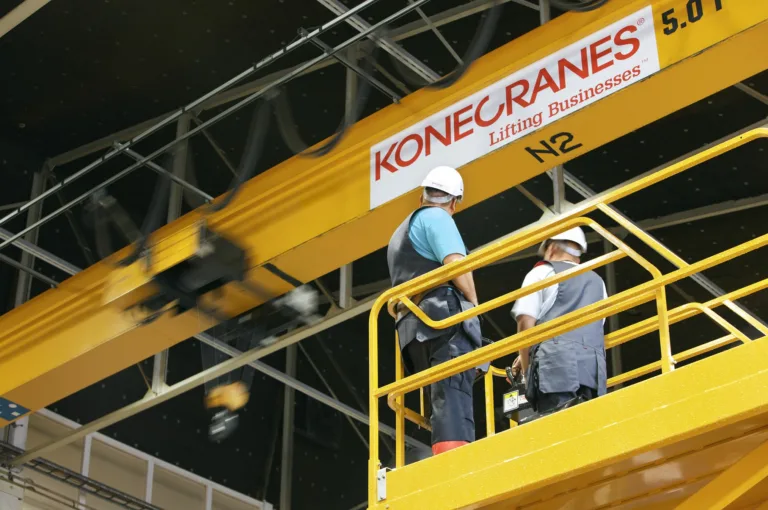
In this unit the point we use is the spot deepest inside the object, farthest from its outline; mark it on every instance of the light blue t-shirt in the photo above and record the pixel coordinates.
(434, 234)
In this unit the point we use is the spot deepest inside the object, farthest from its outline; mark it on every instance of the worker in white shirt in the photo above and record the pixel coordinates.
(569, 368)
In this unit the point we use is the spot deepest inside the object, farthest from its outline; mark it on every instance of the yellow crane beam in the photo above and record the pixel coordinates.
(557, 92)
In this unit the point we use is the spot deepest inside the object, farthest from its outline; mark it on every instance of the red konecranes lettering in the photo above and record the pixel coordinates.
(592, 59)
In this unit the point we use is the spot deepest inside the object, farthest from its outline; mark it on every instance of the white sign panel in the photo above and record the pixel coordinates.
(562, 83)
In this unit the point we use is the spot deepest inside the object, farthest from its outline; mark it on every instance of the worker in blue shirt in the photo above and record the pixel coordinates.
(426, 240)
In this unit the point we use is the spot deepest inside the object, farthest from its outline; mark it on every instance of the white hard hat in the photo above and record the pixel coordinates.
(575, 235)
(445, 179)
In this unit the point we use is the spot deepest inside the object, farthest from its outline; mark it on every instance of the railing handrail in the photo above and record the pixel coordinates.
(593, 312)
(538, 232)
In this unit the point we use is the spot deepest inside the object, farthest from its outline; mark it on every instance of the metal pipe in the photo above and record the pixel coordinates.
(439, 35)
(397, 34)
(150, 482)
(752, 92)
(11, 206)
(180, 155)
(305, 389)
(194, 104)
(40, 253)
(175, 178)
(73, 223)
(211, 121)
(345, 286)
(216, 148)
(545, 13)
(533, 198)
(85, 466)
(23, 285)
(19, 13)
(384, 43)
(391, 94)
(199, 379)
(613, 321)
(329, 389)
(558, 188)
(208, 497)
(289, 406)
(17, 432)
(21, 267)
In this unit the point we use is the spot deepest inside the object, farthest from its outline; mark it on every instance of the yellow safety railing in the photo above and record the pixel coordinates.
(654, 289)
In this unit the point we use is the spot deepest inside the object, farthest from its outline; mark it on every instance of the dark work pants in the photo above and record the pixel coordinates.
(452, 417)
(547, 402)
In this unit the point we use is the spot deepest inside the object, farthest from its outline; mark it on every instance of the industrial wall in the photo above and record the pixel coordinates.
(116, 469)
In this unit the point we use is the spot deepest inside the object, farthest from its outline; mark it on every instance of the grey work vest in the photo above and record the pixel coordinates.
(575, 358)
(405, 264)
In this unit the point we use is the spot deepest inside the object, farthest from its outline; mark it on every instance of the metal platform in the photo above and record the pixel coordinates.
(647, 446)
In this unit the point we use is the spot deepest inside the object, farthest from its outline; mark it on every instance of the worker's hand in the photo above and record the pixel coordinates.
(517, 366)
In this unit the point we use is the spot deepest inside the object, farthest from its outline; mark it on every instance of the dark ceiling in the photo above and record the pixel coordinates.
(78, 71)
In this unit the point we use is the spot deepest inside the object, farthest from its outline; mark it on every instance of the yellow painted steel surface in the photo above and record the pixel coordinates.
(310, 216)
(675, 411)
(635, 448)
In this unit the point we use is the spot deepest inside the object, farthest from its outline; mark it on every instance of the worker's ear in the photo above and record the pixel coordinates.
(453, 205)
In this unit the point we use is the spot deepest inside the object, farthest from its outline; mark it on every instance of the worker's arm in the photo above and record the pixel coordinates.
(465, 282)
(525, 322)
(527, 309)
(446, 244)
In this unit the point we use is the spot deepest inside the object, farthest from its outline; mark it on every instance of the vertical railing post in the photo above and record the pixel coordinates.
(490, 420)
(667, 362)
(373, 404)
(613, 321)
(400, 412)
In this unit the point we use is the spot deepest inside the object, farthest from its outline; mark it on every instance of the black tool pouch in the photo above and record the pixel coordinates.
(532, 381)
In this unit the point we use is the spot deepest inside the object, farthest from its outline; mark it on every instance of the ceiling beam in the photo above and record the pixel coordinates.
(752, 92)
(385, 43)
(397, 34)
(21, 12)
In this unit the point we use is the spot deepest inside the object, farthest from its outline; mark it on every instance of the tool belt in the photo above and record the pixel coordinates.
(401, 310)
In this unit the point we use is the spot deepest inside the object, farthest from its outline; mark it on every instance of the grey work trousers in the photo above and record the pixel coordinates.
(450, 400)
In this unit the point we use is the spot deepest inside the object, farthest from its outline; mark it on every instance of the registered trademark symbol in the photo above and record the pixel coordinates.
(641, 22)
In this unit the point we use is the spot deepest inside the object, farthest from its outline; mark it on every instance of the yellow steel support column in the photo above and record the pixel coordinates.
(732, 483)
